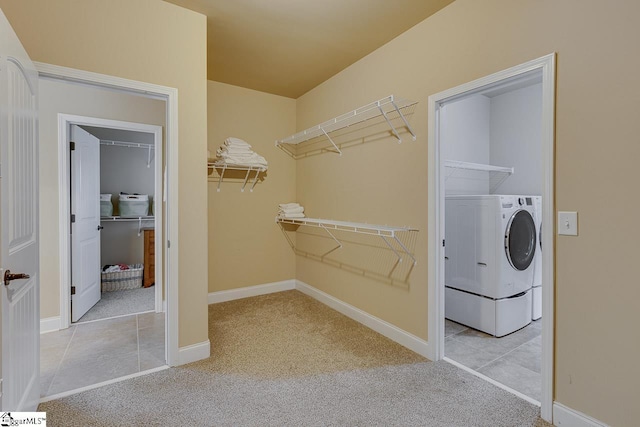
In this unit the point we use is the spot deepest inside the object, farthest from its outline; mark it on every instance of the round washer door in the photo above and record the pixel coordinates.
(520, 240)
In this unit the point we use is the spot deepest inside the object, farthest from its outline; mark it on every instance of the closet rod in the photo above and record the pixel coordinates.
(127, 144)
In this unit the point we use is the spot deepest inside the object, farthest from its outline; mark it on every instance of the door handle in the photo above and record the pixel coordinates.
(9, 276)
(100, 227)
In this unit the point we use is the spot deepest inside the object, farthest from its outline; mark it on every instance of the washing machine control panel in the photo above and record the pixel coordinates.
(525, 201)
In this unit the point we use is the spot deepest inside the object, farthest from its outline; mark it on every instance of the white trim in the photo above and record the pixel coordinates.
(548, 247)
(170, 95)
(564, 416)
(382, 327)
(546, 66)
(93, 386)
(49, 324)
(492, 381)
(194, 352)
(251, 291)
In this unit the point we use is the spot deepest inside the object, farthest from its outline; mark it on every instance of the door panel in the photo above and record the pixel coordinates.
(19, 225)
(85, 234)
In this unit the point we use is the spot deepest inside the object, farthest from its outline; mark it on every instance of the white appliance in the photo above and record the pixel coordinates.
(536, 311)
(490, 244)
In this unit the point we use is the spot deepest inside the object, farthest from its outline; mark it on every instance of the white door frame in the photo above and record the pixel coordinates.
(546, 66)
(169, 242)
(64, 125)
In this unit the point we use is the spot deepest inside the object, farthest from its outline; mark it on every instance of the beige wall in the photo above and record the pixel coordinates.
(60, 97)
(596, 154)
(150, 41)
(246, 246)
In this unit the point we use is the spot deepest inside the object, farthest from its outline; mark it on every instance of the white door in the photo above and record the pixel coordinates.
(85, 226)
(20, 288)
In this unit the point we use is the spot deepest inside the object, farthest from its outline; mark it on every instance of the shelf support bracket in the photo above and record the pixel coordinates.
(224, 168)
(331, 140)
(255, 180)
(246, 178)
(406, 123)
(334, 238)
(149, 157)
(404, 248)
(393, 129)
(392, 248)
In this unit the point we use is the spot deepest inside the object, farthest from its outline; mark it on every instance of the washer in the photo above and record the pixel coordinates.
(536, 311)
(491, 241)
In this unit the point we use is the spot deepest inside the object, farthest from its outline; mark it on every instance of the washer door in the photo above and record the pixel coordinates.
(520, 240)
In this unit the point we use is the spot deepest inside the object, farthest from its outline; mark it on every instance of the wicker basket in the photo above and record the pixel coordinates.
(121, 280)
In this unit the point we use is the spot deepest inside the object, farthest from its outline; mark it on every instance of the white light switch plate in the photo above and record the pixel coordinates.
(568, 223)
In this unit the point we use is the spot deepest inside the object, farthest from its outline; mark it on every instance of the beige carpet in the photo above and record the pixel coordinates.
(286, 360)
(289, 334)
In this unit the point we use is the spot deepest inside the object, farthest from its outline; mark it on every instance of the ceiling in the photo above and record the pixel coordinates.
(288, 47)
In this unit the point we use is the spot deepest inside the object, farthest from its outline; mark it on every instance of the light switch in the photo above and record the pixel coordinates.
(568, 223)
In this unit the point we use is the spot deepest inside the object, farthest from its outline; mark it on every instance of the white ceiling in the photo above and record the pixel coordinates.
(288, 47)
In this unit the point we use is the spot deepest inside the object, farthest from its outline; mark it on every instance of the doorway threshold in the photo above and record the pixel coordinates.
(101, 384)
(492, 381)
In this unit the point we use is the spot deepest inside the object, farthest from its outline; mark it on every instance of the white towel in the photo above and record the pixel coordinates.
(231, 141)
(299, 209)
(292, 215)
(288, 205)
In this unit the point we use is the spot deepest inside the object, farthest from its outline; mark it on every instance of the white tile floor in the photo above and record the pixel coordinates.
(513, 360)
(89, 353)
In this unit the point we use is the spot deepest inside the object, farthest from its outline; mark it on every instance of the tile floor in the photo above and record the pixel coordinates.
(513, 360)
(89, 353)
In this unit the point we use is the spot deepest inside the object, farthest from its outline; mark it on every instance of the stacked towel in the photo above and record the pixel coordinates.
(290, 210)
(236, 152)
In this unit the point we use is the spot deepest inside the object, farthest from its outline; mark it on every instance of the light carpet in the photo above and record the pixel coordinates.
(286, 360)
(120, 303)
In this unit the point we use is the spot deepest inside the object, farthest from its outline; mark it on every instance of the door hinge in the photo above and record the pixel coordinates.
(443, 243)
(73, 290)
(168, 244)
(72, 145)
(73, 218)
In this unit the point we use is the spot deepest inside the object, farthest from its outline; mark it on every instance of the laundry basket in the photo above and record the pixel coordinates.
(106, 207)
(133, 205)
(121, 280)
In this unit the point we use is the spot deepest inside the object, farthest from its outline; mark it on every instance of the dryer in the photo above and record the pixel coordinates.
(490, 245)
(536, 294)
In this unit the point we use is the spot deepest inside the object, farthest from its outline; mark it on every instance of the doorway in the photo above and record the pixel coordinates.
(127, 266)
(450, 293)
(104, 345)
(121, 129)
(165, 323)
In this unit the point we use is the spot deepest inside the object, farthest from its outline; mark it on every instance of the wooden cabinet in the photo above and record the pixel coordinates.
(149, 257)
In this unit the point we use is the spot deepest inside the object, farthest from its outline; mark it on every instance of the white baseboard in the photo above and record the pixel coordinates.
(194, 352)
(390, 331)
(49, 324)
(251, 291)
(564, 416)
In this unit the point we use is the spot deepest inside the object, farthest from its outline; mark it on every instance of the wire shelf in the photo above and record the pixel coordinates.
(381, 108)
(497, 174)
(221, 168)
(383, 231)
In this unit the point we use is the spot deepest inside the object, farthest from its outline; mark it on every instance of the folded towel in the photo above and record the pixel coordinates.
(292, 215)
(237, 152)
(288, 205)
(299, 209)
(231, 141)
